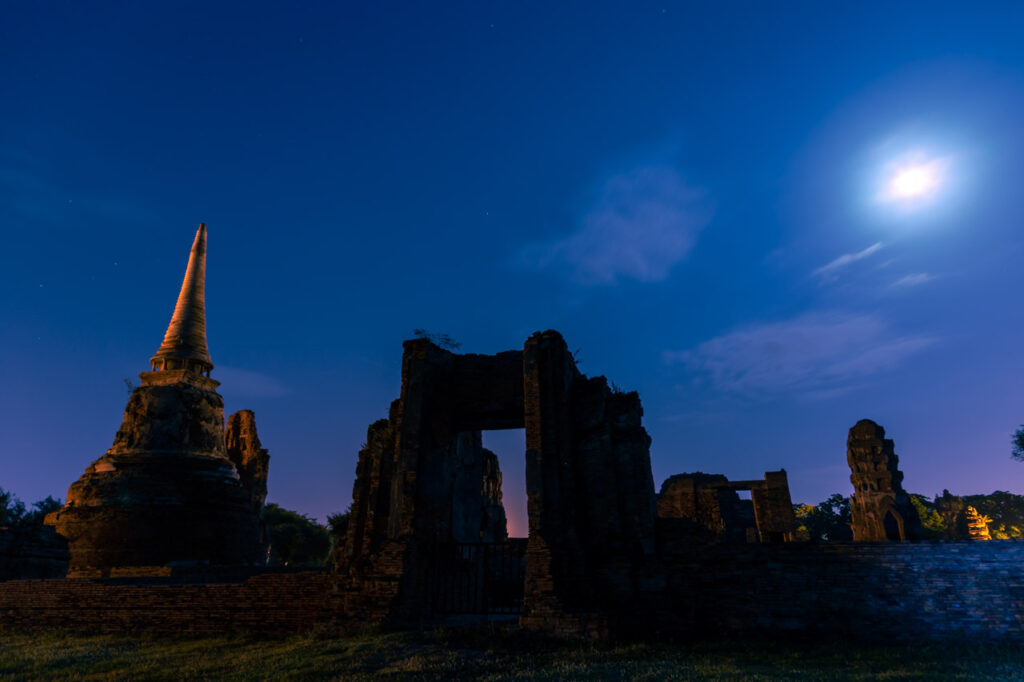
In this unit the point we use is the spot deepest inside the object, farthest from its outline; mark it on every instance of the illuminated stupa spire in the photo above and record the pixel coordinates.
(184, 345)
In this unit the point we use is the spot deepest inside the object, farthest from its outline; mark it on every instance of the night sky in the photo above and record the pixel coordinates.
(770, 219)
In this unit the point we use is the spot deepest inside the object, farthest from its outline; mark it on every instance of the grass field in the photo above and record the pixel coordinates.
(482, 653)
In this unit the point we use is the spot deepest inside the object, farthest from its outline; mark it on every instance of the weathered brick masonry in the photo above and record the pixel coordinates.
(882, 591)
(879, 591)
(274, 603)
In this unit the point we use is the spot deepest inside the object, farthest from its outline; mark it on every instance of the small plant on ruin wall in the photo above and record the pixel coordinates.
(442, 340)
(129, 386)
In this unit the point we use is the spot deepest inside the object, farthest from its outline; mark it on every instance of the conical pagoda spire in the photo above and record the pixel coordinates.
(184, 345)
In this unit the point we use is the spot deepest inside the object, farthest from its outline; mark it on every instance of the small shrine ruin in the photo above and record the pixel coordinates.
(710, 503)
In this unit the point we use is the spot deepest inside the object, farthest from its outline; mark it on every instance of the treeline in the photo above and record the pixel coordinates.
(829, 521)
(298, 540)
(14, 513)
(295, 539)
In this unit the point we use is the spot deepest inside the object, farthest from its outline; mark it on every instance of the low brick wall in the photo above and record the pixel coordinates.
(883, 591)
(271, 603)
(879, 591)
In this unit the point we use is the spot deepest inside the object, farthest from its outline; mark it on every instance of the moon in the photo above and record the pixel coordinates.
(915, 181)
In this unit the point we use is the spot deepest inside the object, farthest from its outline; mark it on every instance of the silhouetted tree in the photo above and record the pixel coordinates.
(11, 509)
(827, 521)
(337, 528)
(932, 523)
(337, 525)
(1018, 444)
(29, 525)
(295, 539)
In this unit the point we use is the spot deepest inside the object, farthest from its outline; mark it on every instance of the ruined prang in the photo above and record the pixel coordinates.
(168, 491)
(879, 507)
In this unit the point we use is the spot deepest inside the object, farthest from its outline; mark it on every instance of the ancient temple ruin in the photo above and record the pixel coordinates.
(879, 507)
(427, 536)
(173, 489)
(713, 511)
(417, 494)
(977, 524)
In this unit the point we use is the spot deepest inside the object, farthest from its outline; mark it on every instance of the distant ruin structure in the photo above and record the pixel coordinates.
(880, 508)
(962, 521)
(710, 502)
(953, 511)
(418, 488)
(174, 488)
(493, 523)
(977, 525)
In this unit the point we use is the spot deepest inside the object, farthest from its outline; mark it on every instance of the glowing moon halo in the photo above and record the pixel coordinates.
(914, 181)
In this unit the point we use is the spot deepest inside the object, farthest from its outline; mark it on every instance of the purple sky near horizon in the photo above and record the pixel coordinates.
(695, 197)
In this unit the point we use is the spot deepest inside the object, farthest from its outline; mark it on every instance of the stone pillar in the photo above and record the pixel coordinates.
(879, 507)
(773, 508)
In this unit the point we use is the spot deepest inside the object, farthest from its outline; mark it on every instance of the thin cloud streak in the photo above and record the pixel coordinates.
(246, 383)
(828, 271)
(818, 354)
(912, 280)
(644, 222)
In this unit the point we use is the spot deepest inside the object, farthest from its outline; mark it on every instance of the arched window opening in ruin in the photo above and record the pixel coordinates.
(892, 527)
(509, 445)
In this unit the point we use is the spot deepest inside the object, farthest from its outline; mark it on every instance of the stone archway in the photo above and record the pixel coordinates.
(892, 527)
(590, 493)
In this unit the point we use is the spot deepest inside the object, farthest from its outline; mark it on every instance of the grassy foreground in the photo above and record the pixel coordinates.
(482, 653)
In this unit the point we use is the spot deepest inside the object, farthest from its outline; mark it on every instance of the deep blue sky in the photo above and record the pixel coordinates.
(690, 194)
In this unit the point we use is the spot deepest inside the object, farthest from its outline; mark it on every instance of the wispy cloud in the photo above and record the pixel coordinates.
(912, 280)
(247, 383)
(829, 271)
(819, 354)
(643, 223)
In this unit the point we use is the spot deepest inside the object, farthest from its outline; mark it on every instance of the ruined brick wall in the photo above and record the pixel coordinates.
(708, 509)
(273, 603)
(252, 461)
(689, 497)
(32, 553)
(874, 591)
(421, 475)
(591, 494)
(773, 508)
